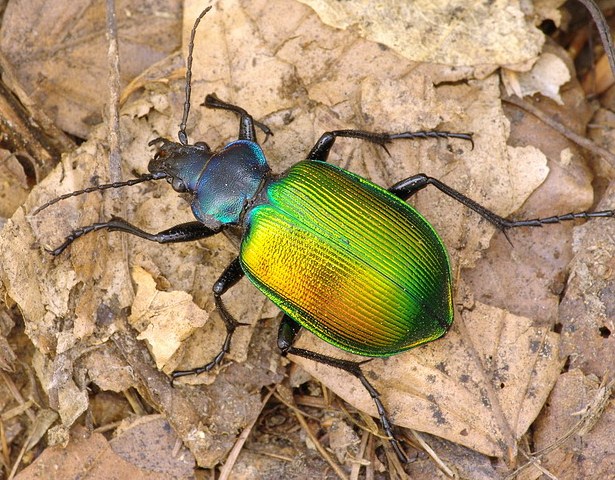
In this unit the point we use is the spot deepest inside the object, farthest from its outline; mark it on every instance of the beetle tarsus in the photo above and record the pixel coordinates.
(288, 333)
(247, 123)
(185, 232)
(208, 366)
(320, 151)
(404, 189)
(231, 275)
(355, 369)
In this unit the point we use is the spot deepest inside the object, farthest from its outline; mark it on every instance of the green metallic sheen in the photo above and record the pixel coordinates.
(349, 261)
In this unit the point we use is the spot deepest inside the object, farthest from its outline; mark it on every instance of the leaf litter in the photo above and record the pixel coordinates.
(481, 386)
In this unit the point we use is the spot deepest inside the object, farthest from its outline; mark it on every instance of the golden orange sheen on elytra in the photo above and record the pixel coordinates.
(349, 261)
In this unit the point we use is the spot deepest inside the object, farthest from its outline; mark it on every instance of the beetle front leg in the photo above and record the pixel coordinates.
(184, 232)
(231, 275)
(287, 335)
(246, 122)
(321, 150)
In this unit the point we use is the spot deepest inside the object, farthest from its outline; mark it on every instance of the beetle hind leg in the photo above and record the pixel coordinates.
(287, 334)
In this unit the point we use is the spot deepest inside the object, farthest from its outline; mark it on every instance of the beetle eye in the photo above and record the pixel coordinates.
(178, 185)
(203, 146)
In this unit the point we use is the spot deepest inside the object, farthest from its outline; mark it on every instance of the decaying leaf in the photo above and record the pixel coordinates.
(481, 388)
(579, 412)
(546, 77)
(48, 46)
(92, 455)
(457, 32)
(159, 316)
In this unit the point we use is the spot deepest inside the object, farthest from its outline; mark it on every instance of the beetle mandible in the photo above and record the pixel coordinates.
(309, 241)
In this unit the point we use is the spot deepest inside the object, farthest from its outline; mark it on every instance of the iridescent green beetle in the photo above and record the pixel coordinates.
(342, 257)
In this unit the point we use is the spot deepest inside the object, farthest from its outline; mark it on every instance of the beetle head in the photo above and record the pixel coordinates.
(182, 165)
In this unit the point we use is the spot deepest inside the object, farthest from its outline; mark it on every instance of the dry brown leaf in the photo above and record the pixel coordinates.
(522, 364)
(49, 43)
(14, 188)
(45, 418)
(481, 387)
(108, 370)
(587, 313)
(589, 453)
(165, 319)
(546, 77)
(57, 379)
(90, 456)
(149, 443)
(7, 355)
(451, 32)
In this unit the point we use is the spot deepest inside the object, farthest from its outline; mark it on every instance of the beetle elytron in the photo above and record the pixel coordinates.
(346, 259)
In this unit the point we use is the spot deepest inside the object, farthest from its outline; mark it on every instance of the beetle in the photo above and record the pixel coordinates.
(343, 258)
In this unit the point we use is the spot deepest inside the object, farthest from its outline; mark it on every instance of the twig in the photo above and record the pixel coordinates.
(323, 452)
(589, 417)
(225, 471)
(113, 59)
(434, 456)
(565, 131)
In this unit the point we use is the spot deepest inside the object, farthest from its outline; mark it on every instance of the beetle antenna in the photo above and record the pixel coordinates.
(603, 30)
(183, 138)
(143, 178)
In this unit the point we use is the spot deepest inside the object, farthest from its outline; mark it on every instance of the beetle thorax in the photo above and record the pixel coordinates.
(231, 178)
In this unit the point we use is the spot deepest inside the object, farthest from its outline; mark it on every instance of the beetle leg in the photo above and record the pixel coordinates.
(320, 151)
(231, 275)
(246, 122)
(184, 232)
(408, 187)
(287, 334)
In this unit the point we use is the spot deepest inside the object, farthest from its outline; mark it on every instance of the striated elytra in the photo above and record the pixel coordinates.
(349, 261)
